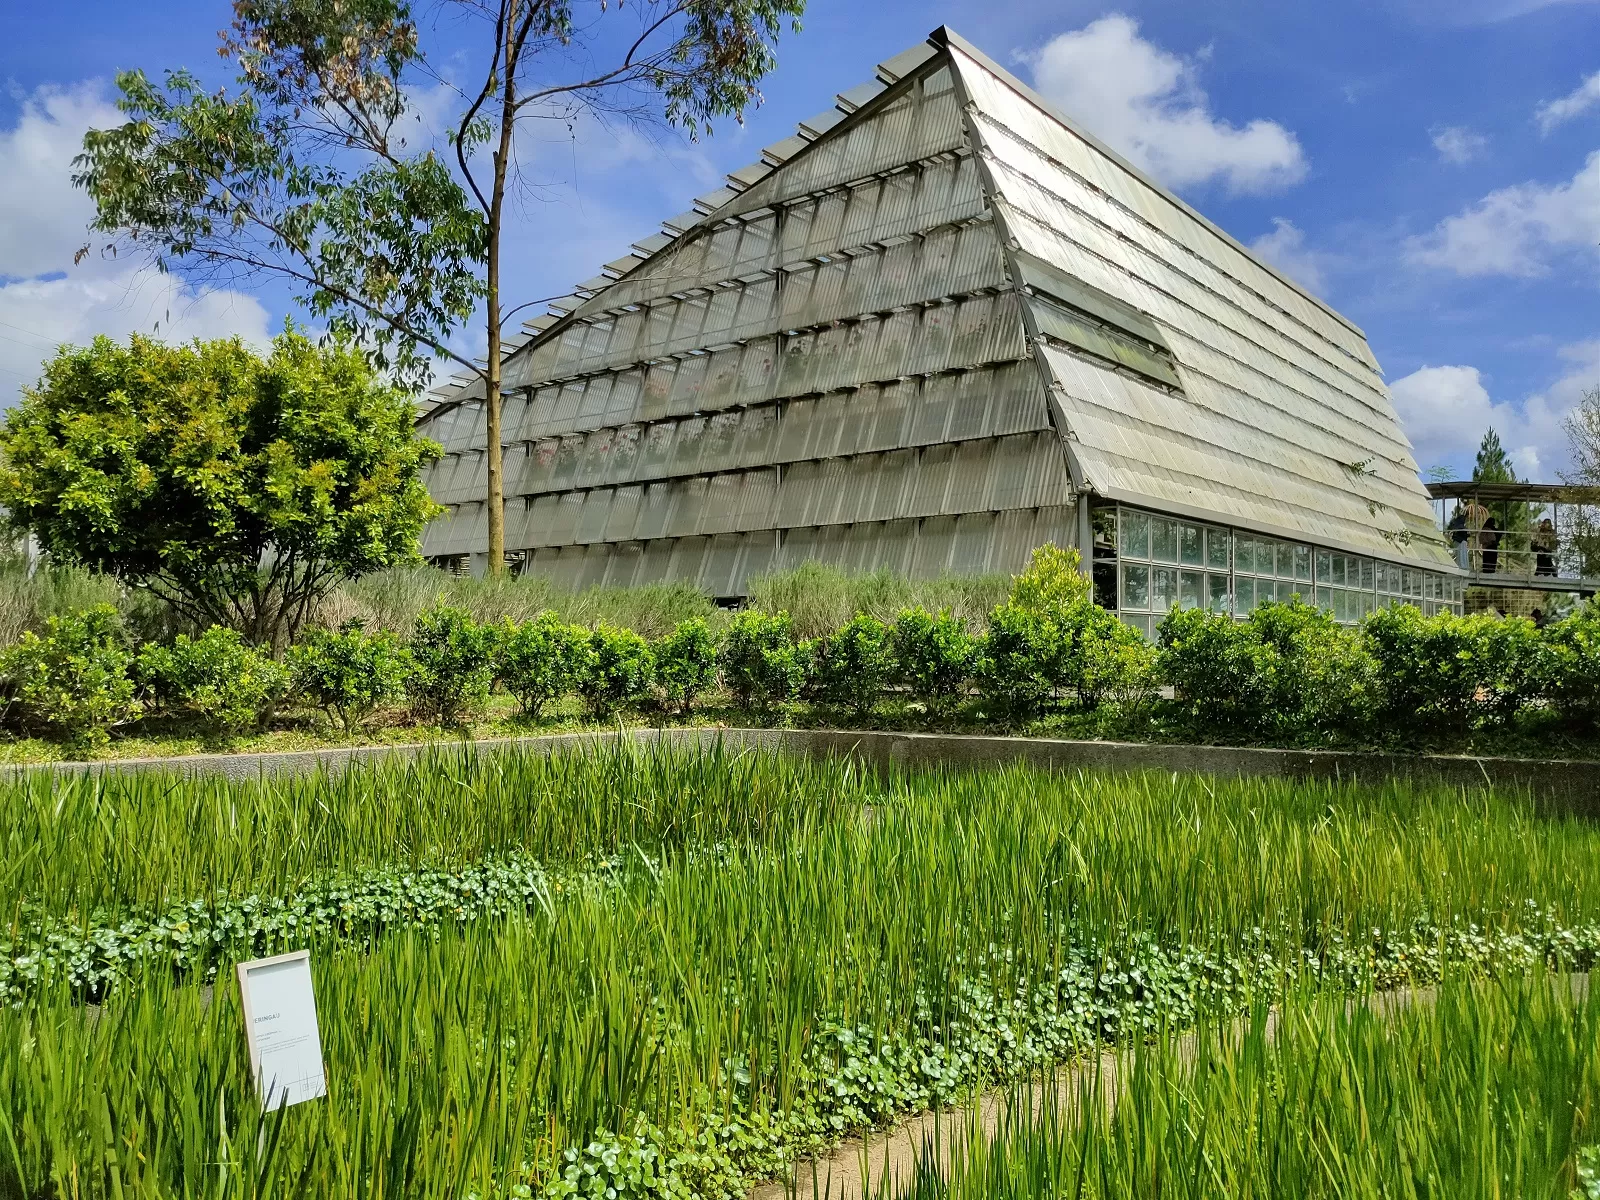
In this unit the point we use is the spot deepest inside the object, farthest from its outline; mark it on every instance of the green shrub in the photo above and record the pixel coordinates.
(540, 660)
(852, 665)
(1569, 666)
(453, 664)
(350, 674)
(933, 657)
(230, 686)
(1110, 660)
(685, 664)
(1052, 582)
(1015, 661)
(617, 670)
(73, 682)
(1221, 674)
(761, 663)
(1446, 672)
(1322, 679)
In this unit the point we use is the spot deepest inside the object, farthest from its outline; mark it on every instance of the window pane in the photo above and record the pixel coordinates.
(1324, 598)
(1191, 550)
(1244, 554)
(1142, 624)
(1217, 599)
(1244, 596)
(1366, 573)
(1217, 549)
(1135, 528)
(1302, 562)
(1163, 540)
(1135, 586)
(1324, 567)
(1191, 586)
(1163, 588)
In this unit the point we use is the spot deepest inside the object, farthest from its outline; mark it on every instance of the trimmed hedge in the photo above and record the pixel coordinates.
(1287, 672)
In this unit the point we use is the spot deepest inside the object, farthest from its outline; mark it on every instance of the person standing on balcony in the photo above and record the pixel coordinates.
(1489, 544)
(1543, 543)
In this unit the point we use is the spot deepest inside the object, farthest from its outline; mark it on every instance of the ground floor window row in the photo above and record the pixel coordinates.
(1146, 564)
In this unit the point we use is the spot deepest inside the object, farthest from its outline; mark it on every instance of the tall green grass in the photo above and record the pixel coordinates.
(820, 598)
(1483, 1088)
(715, 987)
(74, 843)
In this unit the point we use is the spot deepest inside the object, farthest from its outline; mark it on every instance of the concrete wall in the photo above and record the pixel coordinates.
(1559, 785)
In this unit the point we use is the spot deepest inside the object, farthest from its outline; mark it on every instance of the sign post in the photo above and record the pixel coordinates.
(280, 1021)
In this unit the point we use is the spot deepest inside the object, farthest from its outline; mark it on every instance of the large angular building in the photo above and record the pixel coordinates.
(937, 327)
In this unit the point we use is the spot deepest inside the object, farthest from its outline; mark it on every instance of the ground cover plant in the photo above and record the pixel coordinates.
(1481, 1087)
(692, 967)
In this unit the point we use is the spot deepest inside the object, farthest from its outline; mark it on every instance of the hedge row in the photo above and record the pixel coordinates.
(1288, 671)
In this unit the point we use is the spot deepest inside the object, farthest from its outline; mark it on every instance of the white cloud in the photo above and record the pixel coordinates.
(1457, 144)
(1446, 410)
(1148, 104)
(1285, 248)
(1516, 230)
(47, 300)
(43, 218)
(1576, 102)
(37, 315)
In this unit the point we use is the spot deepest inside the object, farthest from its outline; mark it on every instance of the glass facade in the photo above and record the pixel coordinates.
(1146, 564)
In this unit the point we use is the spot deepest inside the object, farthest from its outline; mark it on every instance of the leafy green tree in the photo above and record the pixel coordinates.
(303, 172)
(239, 490)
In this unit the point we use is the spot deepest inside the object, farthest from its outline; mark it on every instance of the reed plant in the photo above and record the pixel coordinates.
(780, 952)
(1481, 1087)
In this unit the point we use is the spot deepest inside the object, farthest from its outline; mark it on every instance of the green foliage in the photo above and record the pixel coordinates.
(1569, 666)
(820, 598)
(852, 666)
(350, 674)
(617, 671)
(452, 664)
(1219, 671)
(685, 664)
(540, 660)
(933, 657)
(1016, 661)
(1112, 661)
(1052, 582)
(1451, 673)
(229, 685)
(762, 665)
(73, 681)
(239, 490)
(1493, 464)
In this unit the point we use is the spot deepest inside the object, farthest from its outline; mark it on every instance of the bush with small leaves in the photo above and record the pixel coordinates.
(1446, 672)
(852, 665)
(685, 664)
(1569, 666)
(540, 660)
(1111, 661)
(762, 665)
(617, 672)
(1221, 674)
(933, 657)
(73, 682)
(1016, 661)
(351, 674)
(453, 664)
(230, 686)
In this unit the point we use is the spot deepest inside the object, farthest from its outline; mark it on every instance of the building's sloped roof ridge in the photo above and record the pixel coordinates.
(945, 36)
(855, 102)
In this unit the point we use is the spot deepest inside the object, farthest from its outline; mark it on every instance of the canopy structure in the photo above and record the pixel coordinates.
(940, 325)
(1526, 536)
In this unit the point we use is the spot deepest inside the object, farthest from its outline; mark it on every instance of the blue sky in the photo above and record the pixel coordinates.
(1430, 167)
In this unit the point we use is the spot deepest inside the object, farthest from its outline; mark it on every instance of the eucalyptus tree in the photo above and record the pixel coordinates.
(310, 169)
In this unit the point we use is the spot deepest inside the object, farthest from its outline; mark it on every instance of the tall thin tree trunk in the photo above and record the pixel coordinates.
(495, 500)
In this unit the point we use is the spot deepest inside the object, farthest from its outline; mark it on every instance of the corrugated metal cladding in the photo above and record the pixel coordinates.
(900, 345)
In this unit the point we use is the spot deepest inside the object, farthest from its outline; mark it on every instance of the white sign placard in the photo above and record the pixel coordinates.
(280, 1021)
